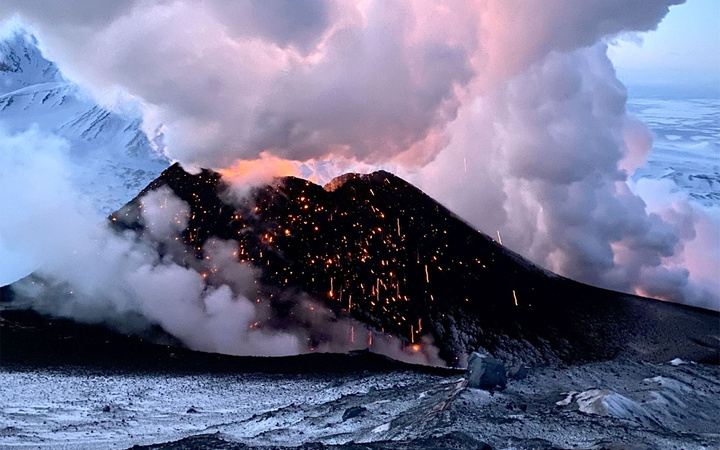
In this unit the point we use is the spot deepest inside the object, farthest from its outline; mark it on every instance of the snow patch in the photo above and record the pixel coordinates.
(604, 402)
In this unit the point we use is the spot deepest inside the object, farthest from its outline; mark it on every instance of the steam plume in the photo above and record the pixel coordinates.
(547, 152)
(517, 96)
(92, 273)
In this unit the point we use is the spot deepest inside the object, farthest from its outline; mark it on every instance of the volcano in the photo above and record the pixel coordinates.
(376, 249)
(379, 255)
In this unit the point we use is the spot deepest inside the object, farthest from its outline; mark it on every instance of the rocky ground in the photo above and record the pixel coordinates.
(670, 405)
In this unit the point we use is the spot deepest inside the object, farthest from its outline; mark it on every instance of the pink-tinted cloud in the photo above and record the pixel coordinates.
(507, 110)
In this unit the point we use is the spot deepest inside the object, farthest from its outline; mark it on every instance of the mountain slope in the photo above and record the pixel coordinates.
(377, 249)
(111, 155)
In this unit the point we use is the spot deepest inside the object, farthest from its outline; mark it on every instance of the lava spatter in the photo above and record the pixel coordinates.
(376, 249)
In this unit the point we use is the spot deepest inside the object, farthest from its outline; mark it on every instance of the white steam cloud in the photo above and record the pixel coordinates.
(92, 273)
(544, 156)
(508, 111)
(307, 79)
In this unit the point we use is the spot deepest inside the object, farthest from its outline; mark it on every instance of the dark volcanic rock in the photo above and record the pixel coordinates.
(451, 441)
(29, 340)
(377, 249)
(353, 412)
(517, 372)
(485, 372)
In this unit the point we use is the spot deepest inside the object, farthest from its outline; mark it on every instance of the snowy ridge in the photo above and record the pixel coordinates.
(114, 157)
(22, 64)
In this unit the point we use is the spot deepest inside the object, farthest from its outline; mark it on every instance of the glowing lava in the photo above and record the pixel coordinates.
(259, 170)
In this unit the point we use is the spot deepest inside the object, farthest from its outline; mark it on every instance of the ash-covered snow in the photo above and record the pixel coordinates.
(659, 405)
(53, 409)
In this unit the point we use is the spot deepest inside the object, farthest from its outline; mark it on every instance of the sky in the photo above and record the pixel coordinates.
(683, 53)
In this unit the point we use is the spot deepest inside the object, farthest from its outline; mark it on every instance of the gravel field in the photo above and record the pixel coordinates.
(648, 405)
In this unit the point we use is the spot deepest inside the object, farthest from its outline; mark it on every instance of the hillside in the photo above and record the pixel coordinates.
(377, 249)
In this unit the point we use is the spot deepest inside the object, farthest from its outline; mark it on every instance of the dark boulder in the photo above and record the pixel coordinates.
(517, 372)
(485, 372)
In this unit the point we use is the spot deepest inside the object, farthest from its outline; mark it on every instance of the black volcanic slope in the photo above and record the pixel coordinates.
(377, 249)
(30, 340)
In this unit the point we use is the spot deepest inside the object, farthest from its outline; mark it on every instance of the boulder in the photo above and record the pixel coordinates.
(485, 372)
(518, 372)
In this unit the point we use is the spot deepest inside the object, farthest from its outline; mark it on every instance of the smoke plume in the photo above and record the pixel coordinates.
(90, 272)
(544, 158)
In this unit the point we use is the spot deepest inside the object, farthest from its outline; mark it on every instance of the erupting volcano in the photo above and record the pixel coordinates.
(377, 250)
(185, 263)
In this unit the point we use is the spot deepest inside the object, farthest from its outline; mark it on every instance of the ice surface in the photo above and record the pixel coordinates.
(686, 147)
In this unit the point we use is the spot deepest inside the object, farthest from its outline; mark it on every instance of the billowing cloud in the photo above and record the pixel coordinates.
(516, 33)
(509, 111)
(542, 158)
(297, 79)
(309, 79)
(88, 271)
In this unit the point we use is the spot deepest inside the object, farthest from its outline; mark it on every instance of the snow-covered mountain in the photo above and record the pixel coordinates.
(113, 158)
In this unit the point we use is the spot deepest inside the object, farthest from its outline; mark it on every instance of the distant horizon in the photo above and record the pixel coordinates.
(680, 59)
(671, 91)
